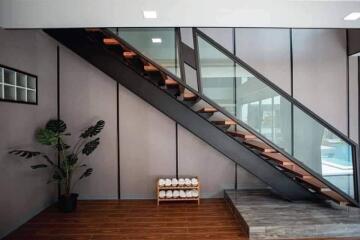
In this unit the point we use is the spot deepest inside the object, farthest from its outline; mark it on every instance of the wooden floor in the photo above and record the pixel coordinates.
(134, 220)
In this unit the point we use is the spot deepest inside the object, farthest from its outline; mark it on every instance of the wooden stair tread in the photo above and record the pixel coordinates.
(242, 134)
(93, 29)
(225, 122)
(169, 81)
(150, 68)
(189, 96)
(298, 171)
(260, 146)
(207, 110)
(110, 41)
(317, 184)
(129, 54)
(336, 197)
(278, 157)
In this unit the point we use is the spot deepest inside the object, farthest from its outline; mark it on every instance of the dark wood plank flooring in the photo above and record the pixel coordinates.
(134, 220)
(138, 219)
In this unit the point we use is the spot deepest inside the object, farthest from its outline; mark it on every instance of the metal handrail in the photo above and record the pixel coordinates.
(230, 116)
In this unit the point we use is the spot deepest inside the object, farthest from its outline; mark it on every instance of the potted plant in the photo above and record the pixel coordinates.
(69, 160)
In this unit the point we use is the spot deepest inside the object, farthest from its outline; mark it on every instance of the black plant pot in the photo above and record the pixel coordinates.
(68, 203)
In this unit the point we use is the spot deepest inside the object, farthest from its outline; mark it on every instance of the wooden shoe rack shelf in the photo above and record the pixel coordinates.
(172, 188)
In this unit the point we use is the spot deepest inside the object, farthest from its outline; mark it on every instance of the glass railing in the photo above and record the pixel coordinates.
(158, 44)
(253, 101)
(274, 116)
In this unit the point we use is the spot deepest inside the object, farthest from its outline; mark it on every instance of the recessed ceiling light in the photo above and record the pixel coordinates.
(156, 40)
(150, 14)
(352, 16)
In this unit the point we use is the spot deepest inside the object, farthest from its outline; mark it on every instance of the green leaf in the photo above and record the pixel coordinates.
(48, 160)
(57, 177)
(46, 137)
(24, 153)
(38, 166)
(87, 173)
(90, 146)
(93, 130)
(72, 159)
(56, 126)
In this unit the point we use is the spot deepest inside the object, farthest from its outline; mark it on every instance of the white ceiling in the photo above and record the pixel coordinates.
(201, 13)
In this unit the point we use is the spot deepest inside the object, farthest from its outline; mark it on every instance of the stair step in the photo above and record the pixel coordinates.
(207, 110)
(336, 197)
(279, 158)
(260, 146)
(298, 171)
(241, 134)
(171, 82)
(225, 122)
(317, 184)
(150, 68)
(129, 54)
(189, 96)
(93, 30)
(110, 41)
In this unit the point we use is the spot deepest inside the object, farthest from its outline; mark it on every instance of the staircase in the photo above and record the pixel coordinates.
(287, 176)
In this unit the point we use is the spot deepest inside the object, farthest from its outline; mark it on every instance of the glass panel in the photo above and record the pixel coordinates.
(243, 95)
(31, 82)
(1, 75)
(9, 76)
(158, 44)
(270, 114)
(1, 91)
(9, 93)
(323, 151)
(190, 76)
(20, 80)
(21, 94)
(31, 96)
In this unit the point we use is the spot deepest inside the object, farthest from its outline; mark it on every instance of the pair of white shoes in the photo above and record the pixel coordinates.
(175, 182)
(178, 193)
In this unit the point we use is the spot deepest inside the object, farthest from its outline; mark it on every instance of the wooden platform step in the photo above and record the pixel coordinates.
(279, 158)
(225, 122)
(110, 41)
(316, 184)
(189, 96)
(171, 82)
(298, 171)
(207, 110)
(129, 54)
(150, 68)
(241, 134)
(260, 146)
(336, 197)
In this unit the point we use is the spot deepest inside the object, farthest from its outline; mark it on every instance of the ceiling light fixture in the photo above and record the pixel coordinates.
(150, 14)
(352, 16)
(156, 40)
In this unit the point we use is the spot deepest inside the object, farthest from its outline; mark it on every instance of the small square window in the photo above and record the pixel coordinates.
(17, 86)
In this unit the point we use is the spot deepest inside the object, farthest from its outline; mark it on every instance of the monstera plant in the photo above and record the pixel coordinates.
(70, 160)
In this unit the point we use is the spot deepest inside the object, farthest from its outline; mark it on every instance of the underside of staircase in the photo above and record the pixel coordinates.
(169, 94)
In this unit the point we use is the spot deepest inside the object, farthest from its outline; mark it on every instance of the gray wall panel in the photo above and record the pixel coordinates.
(268, 52)
(320, 73)
(24, 192)
(88, 95)
(354, 97)
(215, 171)
(147, 146)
